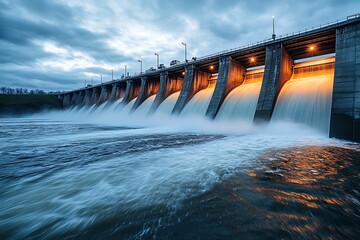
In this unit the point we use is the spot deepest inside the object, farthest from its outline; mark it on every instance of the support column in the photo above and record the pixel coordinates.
(345, 111)
(67, 100)
(278, 70)
(74, 98)
(168, 86)
(194, 81)
(231, 74)
(87, 98)
(131, 92)
(95, 96)
(117, 92)
(105, 93)
(148, 88)
(80, 98)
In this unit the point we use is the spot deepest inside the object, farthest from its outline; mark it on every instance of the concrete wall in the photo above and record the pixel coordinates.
(194, 81)
(95, 95)
(78, 98)
(132, 90)
(87, 97)
(168, 86)
(105, 94)
(345, 111)
(278, 70)
(231, 75)
(117, 91)
(148, 88)
(67, 100)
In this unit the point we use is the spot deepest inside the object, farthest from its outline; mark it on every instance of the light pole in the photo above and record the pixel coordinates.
(140, 66)
(273, 35)
(185, 49)
(125, 70)
(157, 60)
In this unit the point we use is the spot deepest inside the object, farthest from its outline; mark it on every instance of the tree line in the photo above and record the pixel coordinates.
(8, 90)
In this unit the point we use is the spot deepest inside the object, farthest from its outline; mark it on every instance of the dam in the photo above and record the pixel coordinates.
(310, 77)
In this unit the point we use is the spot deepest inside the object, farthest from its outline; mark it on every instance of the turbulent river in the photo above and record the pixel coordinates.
(66, 177)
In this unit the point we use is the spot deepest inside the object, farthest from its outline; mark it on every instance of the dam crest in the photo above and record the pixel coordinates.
(310, 77)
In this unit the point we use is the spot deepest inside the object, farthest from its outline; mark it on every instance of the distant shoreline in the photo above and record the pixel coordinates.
(23, 104)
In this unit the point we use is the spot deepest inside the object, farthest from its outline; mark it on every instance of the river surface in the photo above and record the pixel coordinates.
(62, 178)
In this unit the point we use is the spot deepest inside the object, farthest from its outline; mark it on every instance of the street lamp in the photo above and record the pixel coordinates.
(273, 35)
(157, 60)
(185, 49)
(125, 70)
(140, 66)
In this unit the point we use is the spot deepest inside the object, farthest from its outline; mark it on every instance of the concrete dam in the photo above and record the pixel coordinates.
(310, 77)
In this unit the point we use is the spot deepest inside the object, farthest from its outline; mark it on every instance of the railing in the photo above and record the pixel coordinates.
(354, 16)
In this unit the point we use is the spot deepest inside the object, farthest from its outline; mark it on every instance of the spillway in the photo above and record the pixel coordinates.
(166, 107)
(126, 109)
(199, 103)
(144, 108)
(115, 104)
(241, 102)
(306, 97)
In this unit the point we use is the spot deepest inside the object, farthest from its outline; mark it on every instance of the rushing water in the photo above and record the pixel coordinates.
(198, 104)
(240, 103)
(65, 176)
(306, 97)
(166, 107)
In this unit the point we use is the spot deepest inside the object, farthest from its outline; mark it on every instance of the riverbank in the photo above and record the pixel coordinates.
(21, 104)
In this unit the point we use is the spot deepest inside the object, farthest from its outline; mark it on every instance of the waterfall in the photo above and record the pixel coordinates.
(144, 108)
(306, 97)
(199, 103)
(240, 104)
(126, 109)
(99, 108)
(115, 104)
(166, 107)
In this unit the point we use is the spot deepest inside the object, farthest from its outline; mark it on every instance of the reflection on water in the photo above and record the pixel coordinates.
(299, 193)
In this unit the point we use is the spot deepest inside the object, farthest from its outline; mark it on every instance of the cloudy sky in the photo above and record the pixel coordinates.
(58, 44)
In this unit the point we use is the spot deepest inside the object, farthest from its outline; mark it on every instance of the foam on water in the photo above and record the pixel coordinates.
(75, 197)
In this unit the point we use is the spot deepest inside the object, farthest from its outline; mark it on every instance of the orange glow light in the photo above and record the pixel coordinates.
(211, 67)
(312, 48)
(252, 59)
(183, 73)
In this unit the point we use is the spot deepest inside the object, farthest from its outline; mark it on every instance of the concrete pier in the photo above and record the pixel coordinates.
(148, 88)
(105, 94)
(67, 100)
(118, 91)
(95, 96)
(194, 81)
(132, 91)
(231, 74)
(345, 111)
(87, 97)
(168, 86)
(278, 70)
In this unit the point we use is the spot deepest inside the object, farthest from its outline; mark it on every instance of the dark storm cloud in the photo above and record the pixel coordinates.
(206, 25)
